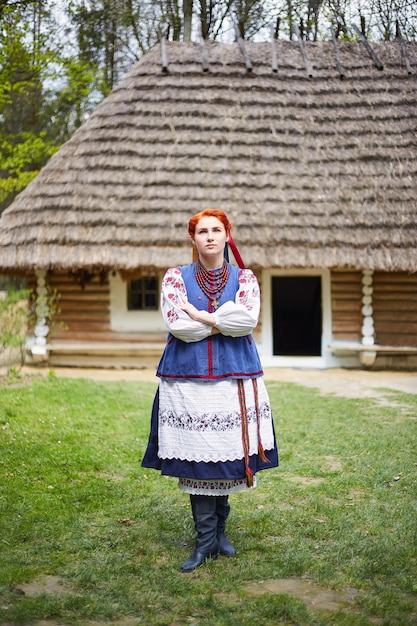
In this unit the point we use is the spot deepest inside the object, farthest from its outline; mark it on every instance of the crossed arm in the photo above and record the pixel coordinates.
(233, 318)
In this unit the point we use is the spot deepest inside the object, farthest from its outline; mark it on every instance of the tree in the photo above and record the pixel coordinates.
(24, 147)
(383, 16)
(376, 17)
(212, 17)
(50, 82)
(250, 16)
(188, 16)
(22, 156)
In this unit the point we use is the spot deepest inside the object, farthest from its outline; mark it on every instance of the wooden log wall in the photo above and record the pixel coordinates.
(346, 294)
(394, 304)
(31, 285)
(84, 307)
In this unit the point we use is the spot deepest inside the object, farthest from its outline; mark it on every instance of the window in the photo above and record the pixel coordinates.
(142, 294)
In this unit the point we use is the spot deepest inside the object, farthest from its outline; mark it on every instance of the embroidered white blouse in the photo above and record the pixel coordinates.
(233, 318)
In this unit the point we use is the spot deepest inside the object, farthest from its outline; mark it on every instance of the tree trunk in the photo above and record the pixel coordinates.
(188, 14)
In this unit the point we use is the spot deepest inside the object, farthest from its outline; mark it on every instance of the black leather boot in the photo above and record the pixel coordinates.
(222, 512)
(206, 544)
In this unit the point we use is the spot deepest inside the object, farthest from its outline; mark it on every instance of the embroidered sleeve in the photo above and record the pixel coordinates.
(179, 323)
(240, 317)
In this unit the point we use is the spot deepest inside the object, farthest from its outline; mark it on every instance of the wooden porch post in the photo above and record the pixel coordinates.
(367, 357)
(38, 347)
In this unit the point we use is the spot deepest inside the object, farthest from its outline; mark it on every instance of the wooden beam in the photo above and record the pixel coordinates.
(336, 51)
(274, 50)
(105, 346)
(369, 48)
(243, 50)
(341, 346)
(204, 55)
(403, 49)
(164, 53)
(307, 63)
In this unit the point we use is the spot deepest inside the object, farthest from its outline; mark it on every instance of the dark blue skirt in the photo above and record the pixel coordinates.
(221, 470)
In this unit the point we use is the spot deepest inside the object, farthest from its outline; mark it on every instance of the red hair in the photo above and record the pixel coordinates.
(220, 215)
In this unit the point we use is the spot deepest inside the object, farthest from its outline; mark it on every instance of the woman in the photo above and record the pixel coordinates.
(211, 420)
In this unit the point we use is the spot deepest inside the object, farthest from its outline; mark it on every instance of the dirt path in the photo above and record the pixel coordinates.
(343, 382)
(346, 382)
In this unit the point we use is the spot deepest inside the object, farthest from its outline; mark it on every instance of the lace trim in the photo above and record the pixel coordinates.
(211, 421)
(202, 422)
(212, 487)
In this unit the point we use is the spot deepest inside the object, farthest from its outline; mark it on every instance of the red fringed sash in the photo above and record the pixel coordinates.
(245, 428)
(261, 450)
(241, 393)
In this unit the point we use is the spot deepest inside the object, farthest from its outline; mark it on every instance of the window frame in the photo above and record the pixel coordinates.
(143, 293)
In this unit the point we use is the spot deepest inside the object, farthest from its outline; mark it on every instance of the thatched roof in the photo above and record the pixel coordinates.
(314, 171)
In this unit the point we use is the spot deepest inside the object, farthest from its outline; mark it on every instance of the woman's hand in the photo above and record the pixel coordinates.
(195, 314)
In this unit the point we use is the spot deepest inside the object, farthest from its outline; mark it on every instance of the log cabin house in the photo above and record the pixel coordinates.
(311, 149)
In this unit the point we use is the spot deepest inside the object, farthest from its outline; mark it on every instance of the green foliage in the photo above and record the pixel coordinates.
(52, 78)
(44, 94)
(21, 158)
(76, 505)
(23, 145)
(22, 61)
(13, 318)
(18, 314)
(67, 108)
(31, 149)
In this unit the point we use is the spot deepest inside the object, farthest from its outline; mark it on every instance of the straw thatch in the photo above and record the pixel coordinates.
(314, 171)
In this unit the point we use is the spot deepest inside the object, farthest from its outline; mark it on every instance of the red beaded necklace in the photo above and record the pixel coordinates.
(212, 282)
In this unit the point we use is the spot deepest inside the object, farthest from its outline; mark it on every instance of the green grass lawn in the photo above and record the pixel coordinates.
(339, 512)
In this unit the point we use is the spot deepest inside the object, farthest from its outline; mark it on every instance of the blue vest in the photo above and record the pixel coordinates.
(216, 357)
